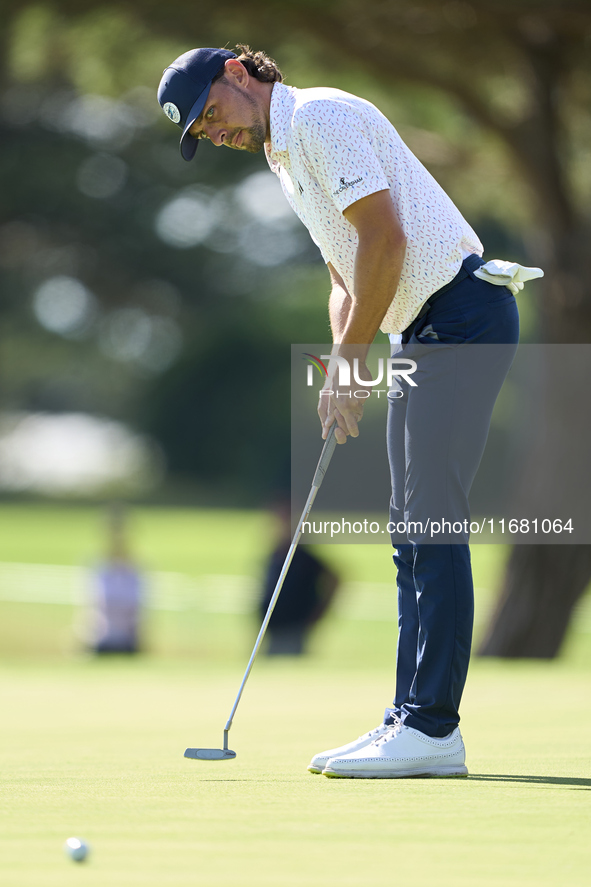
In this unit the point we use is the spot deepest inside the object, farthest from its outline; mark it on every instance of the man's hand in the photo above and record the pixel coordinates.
(356, 316)
(343, 405)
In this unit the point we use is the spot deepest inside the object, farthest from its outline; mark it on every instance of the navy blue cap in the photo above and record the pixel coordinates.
(184, 89)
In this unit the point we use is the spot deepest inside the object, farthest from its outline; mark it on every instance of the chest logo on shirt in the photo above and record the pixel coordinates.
(301, 188)
(345, 185)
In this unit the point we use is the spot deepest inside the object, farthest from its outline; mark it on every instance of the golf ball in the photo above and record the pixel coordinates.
(76, 849)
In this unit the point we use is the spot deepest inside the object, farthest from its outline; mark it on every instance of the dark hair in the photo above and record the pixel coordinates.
(258, 64)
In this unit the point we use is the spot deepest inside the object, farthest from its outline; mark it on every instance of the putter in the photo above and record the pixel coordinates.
(225, 753)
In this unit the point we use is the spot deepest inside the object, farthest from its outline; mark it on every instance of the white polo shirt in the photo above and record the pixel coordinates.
(330, 149)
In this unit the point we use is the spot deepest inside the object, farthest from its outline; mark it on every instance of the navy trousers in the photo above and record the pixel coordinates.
(436, 436)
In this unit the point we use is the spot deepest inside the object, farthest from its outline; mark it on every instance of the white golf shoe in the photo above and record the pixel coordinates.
(319, 761)
(401, 751)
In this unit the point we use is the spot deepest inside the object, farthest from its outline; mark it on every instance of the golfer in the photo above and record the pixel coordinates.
(402, 259)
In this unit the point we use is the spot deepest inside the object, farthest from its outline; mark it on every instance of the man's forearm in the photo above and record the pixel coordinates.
(356, 316)
(355, 319)
(339, 307)
(377, 273)
(378, 265)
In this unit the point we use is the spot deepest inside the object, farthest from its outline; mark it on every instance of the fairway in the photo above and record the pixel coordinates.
(95, 748)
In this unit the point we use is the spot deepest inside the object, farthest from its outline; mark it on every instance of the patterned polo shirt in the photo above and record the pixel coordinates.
(330, 149)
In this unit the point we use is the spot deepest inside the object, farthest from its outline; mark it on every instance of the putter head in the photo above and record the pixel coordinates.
(210, 754)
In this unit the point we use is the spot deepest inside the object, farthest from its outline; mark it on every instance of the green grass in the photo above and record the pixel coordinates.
(194, 543)
(184, 540)
(94, 748)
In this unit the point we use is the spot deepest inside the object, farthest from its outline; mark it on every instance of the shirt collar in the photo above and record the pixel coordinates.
(282, 105)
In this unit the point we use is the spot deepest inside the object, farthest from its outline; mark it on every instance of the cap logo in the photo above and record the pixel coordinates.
(172, 112)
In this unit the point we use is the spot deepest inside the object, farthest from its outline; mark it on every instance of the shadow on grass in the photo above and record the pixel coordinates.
(573, 782)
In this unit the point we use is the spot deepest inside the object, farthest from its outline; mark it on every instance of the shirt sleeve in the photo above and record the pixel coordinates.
(336, 143)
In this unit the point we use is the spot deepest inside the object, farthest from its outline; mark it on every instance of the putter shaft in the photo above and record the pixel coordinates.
(325, 457)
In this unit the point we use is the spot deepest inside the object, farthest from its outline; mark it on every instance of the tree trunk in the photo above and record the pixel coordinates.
(542, 585)
(543, 582)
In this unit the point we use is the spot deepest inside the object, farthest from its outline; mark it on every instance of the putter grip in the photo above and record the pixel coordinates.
(325, 456)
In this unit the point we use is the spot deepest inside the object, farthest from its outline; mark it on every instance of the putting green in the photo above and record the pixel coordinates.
(95, 748)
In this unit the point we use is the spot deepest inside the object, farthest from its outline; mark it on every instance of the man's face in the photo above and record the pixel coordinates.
(231, 117)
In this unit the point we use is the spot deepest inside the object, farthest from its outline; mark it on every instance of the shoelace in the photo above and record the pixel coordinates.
(391, 732)
(377, 731)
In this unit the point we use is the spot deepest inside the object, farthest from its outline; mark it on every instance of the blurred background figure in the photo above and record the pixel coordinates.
(116, 593)
(308, 590)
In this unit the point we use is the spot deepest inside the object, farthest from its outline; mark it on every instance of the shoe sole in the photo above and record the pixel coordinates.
(435, 772)
(314, 769)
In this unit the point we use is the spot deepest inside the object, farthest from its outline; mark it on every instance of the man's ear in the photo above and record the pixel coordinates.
(236, 72)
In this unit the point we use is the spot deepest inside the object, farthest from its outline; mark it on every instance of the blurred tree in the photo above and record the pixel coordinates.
(517, 70)
(126, 287)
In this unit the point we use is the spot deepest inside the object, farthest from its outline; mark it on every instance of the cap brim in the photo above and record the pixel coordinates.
(188, 144)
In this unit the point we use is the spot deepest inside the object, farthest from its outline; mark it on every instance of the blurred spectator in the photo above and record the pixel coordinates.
(307, 592)
(116, 594)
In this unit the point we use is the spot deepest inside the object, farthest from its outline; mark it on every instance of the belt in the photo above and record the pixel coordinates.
(470, 264)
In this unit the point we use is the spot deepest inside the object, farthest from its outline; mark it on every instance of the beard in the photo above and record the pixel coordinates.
(254, 136)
